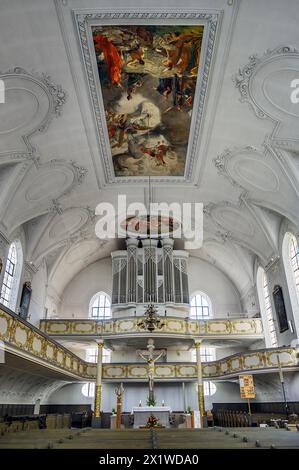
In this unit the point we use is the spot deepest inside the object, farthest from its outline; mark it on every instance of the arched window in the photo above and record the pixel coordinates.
(100, 306)
(92, 355)
(12, 276)
(207, 354)
(294, 259)
(201, 307)
(209, 388)
(266, 309)
(88, 389)
(290, 256)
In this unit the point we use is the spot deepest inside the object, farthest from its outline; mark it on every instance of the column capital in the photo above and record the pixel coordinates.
(100, 343)
(197, 342)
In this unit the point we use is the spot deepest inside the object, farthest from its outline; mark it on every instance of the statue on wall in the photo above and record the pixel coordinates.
(151, 357)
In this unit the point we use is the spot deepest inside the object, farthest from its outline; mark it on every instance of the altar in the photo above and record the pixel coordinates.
(142, 413)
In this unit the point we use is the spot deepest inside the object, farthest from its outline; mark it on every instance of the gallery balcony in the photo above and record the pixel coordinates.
(22, 340)
(236, 328)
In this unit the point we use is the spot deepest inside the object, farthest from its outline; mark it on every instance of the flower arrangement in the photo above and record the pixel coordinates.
(151, 402)
(153, 422)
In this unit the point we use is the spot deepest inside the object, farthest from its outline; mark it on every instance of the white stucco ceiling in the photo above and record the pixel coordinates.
(245, 169)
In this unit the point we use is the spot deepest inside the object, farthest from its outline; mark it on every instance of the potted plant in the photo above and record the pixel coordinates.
(113, 411)
(153, 422)
(151, 402)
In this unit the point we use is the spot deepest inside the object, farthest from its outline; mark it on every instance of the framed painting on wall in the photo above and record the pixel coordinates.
(280, 309)
(25, 300)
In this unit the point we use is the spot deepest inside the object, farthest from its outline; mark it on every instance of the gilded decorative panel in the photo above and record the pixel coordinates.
(59, 327)
(235, 364)
(253, 361)
(137, 372)
(175, 326)
(243, 326)
(83, 327)
(209, 369)
(49, 352)
(286, 357)
(4, 325)
(21, 335)
(126, 326)
(112, 372)
(186, 370)
(218, 326)
(224, 367)
(37, 345)
(164, 371)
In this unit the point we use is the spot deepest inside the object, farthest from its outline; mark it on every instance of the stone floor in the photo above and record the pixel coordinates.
(213, 438)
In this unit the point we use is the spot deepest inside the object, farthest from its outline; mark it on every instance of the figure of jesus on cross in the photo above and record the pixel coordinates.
(151, 356)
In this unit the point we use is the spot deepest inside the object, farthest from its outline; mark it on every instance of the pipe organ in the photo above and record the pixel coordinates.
(149, 274)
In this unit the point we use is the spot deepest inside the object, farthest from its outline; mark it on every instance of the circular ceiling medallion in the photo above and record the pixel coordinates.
(81, 251)
(68, 222)
(154, 225)
(49, 183)
(19, 109)
(255, 173)
(233, 220)
(277, 89)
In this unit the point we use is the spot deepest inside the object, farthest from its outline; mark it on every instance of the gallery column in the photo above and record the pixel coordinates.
(98, 387)
(200, 394)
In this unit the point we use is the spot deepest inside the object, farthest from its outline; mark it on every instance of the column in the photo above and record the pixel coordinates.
(200, 394)
(98, 384)
(119, 391)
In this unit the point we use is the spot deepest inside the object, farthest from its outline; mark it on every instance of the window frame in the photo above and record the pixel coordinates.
(12, 275)
(106, 307)
(205, 303)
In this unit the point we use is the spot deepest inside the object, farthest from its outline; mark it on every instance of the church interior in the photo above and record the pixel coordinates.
(124, 328)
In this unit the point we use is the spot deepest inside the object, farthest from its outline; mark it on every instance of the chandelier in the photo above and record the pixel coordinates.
(151, 320)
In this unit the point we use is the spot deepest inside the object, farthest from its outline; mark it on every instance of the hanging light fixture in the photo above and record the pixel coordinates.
(151, 320)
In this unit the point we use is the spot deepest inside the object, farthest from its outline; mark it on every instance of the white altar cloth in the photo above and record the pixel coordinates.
(142, 413)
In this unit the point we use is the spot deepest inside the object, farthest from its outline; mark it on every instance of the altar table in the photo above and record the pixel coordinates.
(142, 413)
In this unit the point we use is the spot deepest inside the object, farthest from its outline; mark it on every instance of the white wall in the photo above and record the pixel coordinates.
(205, 277)
(76, 297)
(37, 302)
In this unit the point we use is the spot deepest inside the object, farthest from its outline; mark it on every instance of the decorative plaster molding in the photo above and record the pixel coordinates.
(56, 99)
(243, 78)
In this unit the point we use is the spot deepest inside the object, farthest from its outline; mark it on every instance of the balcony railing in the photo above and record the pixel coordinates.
(18, 334)
(21, 337)
(237, 327)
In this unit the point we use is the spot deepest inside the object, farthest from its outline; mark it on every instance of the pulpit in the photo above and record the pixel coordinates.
(142, 413)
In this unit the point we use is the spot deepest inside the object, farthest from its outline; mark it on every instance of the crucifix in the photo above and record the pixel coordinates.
(151, 356)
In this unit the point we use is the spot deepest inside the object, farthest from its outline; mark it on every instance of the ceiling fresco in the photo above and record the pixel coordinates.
(147, 76)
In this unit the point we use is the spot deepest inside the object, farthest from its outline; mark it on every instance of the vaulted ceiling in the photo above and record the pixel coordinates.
(243, 154)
